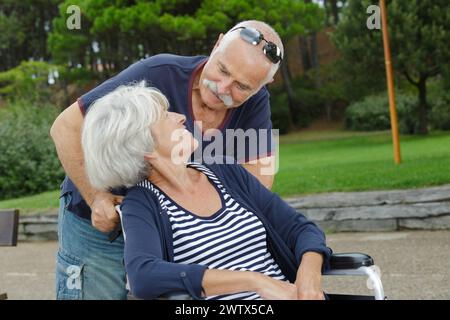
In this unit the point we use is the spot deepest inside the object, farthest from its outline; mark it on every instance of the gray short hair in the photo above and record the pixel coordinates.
(116, 135)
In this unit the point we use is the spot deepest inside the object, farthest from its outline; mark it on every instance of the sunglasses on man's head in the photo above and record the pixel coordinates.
(254, 37)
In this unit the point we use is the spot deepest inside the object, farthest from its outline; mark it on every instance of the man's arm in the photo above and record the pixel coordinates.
(263, 169)
(66, 134)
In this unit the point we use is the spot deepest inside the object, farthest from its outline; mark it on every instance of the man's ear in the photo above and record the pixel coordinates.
(218, 42)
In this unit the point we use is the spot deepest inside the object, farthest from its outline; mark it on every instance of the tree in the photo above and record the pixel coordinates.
(125, 31)
(115, 34)
(419, 37)
(333, 10)
(24, 28)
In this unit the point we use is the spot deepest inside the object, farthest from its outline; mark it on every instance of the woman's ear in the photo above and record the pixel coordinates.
(150, 157)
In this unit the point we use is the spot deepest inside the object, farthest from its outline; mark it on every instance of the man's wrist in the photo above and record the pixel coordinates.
(92, 196)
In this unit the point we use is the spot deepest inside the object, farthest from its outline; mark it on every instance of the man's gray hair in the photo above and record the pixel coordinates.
(116, 135)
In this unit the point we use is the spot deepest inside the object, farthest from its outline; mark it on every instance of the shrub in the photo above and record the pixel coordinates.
(28, 161)
(440, 113)
(28, 80)
(439, 101)
(280, 112)
(308, 105)
(372, 113)
(317, 94)
(40, 82)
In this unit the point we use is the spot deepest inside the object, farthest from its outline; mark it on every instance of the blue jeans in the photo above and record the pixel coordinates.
(88, 265)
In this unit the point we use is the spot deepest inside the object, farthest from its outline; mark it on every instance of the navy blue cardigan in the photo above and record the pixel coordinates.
(148, 245)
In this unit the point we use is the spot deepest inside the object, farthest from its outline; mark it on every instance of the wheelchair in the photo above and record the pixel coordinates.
(341, 264)
(355, 264)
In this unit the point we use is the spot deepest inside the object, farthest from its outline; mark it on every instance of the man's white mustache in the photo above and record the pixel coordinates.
(211, 85)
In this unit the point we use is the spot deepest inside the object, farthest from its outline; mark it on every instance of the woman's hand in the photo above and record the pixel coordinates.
(217, 282)
(309, 288)
(273, 289)
(309, 277)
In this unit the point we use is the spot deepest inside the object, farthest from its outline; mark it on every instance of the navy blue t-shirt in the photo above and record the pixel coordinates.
(173, 76)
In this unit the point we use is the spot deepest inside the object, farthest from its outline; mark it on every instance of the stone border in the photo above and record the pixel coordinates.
(38, 227)
(424, 209)
(414, 209)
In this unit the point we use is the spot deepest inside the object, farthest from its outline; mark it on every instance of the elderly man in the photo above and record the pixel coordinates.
(217, 93)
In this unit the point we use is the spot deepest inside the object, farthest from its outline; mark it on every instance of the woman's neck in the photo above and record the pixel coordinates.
(170, 176)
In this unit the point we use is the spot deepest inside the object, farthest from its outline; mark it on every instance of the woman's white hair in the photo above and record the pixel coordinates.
(116, 135)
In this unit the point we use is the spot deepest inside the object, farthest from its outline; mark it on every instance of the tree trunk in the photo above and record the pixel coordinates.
(313, 50)
(66, 94)
(290, 92)
(423, 109)
(306, 60)
(335, 11)
(315, 59)
(327, 13)
(328, 108)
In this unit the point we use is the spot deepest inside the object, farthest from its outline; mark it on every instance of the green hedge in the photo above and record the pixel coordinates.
(439, 92)
(308, 105)
(372, 113)
(440, 113)
(280, 112)
(28, 160)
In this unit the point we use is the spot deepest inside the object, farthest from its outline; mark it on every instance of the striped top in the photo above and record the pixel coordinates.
(232, 238)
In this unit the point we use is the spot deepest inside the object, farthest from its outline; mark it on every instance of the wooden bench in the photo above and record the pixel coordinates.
(9, 226)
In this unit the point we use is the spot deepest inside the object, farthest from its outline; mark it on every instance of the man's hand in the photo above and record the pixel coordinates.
(104, 214)
(66, 133)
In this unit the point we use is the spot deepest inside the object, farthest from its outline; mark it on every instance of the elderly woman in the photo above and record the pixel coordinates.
(212, 231)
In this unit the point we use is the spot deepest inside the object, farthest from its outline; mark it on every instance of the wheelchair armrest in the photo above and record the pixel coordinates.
(351, 260)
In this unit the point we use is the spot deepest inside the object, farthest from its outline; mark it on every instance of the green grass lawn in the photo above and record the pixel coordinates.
(361, 162)
(325, 161)
(40, 203)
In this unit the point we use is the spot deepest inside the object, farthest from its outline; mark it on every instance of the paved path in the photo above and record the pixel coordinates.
(414, 265)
